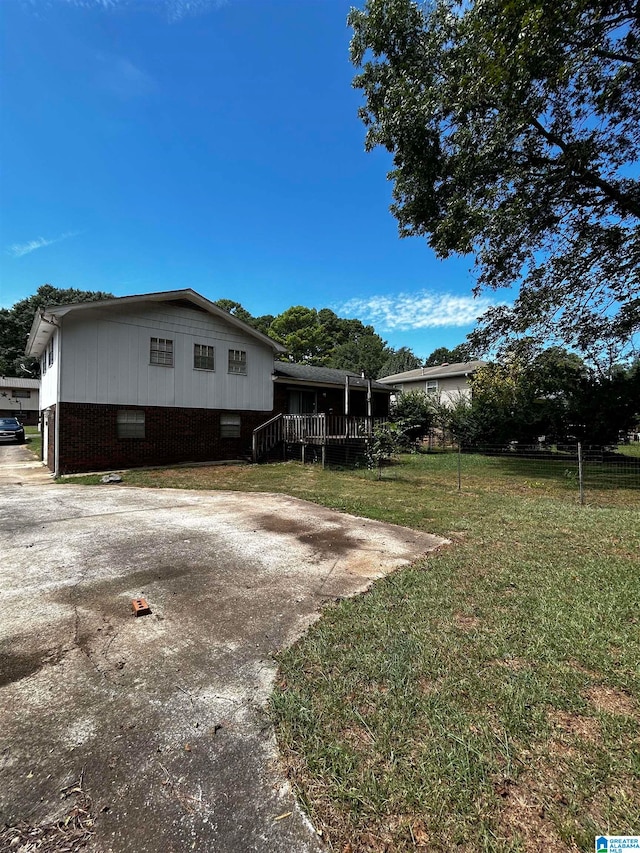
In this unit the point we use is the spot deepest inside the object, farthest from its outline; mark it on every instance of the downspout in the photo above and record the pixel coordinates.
(346, 395)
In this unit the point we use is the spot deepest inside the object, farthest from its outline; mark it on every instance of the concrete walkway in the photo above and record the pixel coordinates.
(163, 718)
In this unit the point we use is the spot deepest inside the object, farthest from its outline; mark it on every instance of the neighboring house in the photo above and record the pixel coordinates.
(448, 382)
(20, 398)
(149, 380)
(301, 389)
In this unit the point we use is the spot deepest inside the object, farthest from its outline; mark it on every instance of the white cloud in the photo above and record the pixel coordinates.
(173, 9)
(420, 310)
(18, 250)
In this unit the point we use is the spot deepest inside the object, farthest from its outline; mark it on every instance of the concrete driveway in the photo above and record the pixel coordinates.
(155, 728)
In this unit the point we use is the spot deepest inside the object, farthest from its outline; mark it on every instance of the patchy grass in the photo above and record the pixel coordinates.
(487, 698)
(33, 440)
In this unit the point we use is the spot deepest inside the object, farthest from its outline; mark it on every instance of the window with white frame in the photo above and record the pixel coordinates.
(203, 357)
(22, 393)
(237, 361)
(432, 386)
(161, 352)
(43, 364)
(131, 423)
(51, 352)
(229, 426)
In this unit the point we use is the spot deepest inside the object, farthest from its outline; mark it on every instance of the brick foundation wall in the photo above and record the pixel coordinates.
(89, 437)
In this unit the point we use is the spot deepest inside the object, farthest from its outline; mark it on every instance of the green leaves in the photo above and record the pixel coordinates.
(515, 132)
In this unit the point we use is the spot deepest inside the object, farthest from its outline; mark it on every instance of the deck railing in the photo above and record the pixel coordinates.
(318, 429)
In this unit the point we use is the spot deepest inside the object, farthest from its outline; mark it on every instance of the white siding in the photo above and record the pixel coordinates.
(106, 360)
(49, 380)
(450, 389)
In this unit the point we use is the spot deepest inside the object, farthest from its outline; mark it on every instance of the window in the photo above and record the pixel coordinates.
(130, 424)
(229, 426)
(432, 386)
(237, 361)
(161, 352)
(50, 352)
(203, 357)
(21, 393)
(43, 364)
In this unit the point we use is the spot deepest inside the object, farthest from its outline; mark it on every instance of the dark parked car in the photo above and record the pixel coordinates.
(11, 428)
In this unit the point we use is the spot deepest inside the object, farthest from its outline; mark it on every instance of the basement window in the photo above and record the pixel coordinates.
(161, 352)
(131, 423)
(229, 426)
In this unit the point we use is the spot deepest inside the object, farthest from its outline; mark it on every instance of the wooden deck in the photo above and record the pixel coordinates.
(318, 430)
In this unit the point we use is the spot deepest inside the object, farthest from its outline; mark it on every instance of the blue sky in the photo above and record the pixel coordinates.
(157, 144)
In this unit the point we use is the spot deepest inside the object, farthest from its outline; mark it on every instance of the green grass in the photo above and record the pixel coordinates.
(630, 449)
(486, 698)
(33, 440)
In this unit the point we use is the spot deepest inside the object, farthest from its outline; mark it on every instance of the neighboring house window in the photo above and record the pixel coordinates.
(43, 364)
(432, 386)
(203, 357)
(130, 424)
(24, 394)
(229, 426)
(50, 352)
(237, 361)
(161, 352)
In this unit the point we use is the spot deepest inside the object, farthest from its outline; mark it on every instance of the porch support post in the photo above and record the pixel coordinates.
(369, 400)
(346, 395)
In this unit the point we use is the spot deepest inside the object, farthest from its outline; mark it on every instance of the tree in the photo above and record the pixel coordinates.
(236, 310)
(399, 361)
(413, 412)
(442, 355)
(363, 354)
(15, 324)
(515, 134)
(299, 331)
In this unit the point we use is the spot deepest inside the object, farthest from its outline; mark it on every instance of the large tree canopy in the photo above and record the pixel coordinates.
(515, 132)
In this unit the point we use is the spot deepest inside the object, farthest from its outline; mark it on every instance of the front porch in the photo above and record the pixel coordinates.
(281, 434)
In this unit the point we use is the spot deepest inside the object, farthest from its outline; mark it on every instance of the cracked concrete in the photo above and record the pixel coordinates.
(164, 715)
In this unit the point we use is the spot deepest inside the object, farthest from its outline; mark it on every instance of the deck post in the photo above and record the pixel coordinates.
(324, 455)
(304, 454)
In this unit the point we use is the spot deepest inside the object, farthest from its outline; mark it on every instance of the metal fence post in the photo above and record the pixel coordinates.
(459, 466)
(580, 473)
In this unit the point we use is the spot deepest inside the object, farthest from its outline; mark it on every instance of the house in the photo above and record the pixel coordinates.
(448, 382)
(20, 398)
(169, 377)
(149, 380)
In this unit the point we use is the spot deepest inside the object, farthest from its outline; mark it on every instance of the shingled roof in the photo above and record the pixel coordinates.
(440, 372)
(284, 370)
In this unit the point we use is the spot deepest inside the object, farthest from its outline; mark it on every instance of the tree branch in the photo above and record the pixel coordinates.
(612, 192)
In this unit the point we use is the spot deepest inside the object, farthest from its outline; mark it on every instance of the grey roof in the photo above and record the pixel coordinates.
(322, 375)
(18, 382)
(462, 368)
(42, 322)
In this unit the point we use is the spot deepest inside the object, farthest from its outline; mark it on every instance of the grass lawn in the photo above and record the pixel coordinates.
(487, 698)
(33, 440)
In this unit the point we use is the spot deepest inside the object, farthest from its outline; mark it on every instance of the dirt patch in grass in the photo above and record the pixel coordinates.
(467, 623)
(611, 701)
(568, 724)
